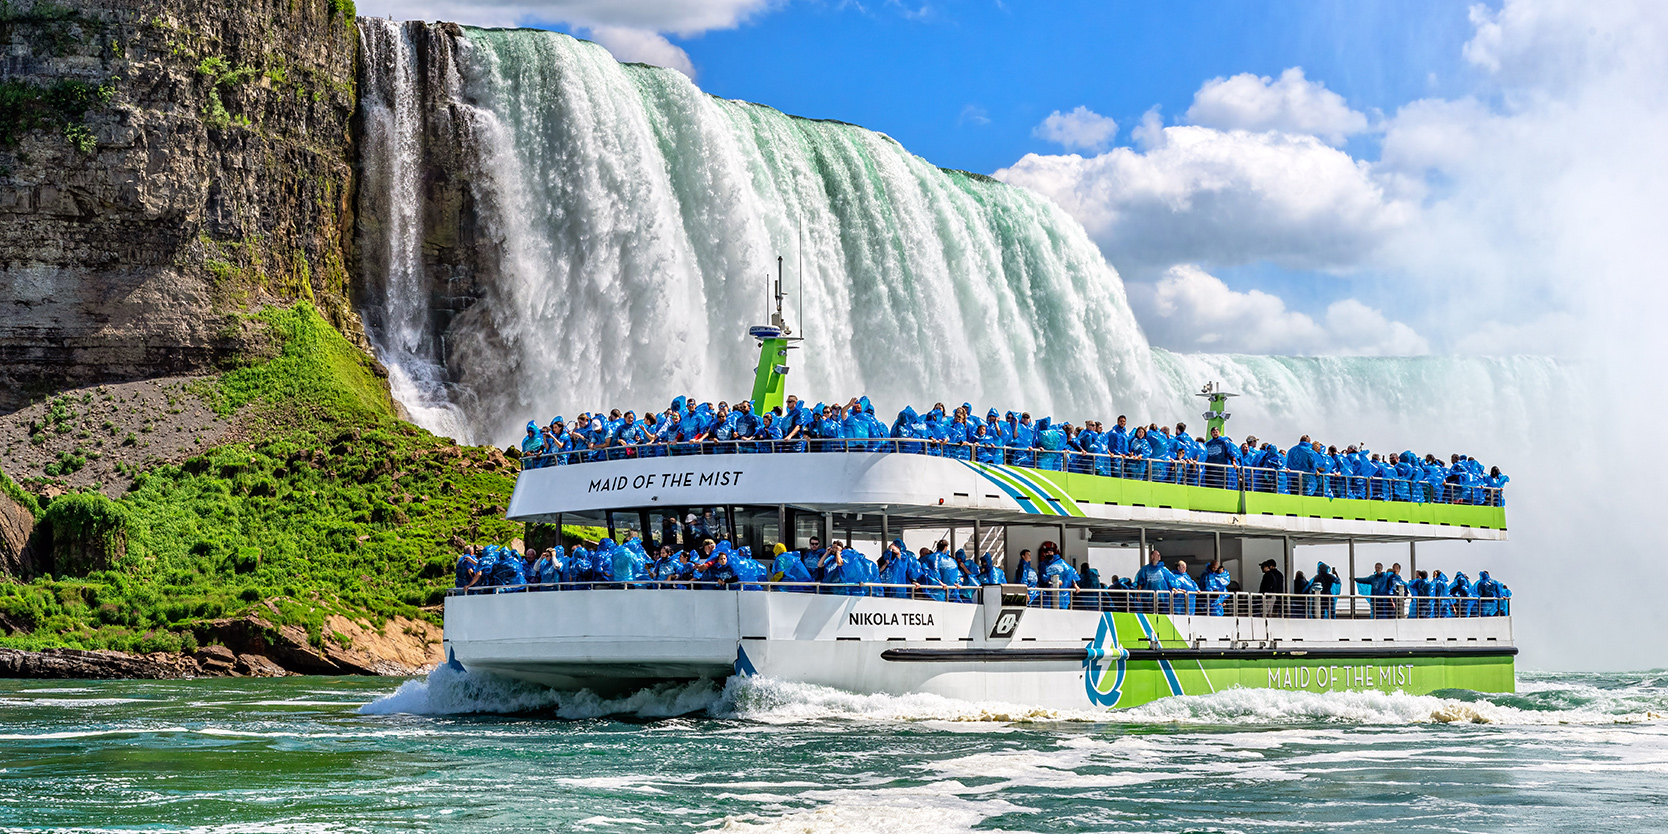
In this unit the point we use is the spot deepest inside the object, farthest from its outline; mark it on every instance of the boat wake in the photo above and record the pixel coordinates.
(1594, 700)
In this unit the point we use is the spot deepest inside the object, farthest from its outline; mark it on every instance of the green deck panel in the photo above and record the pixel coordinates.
(1125, 492)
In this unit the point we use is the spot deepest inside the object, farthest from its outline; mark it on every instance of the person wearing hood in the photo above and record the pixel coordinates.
(899, 571)
(1494, 487)
(509, 572)
(1216, 581)
(1159, 447)
(958, 437)
(1052, 442)
(1153, 578)
(1325, 587)
(768, 435)
(1488, 591)
(532, 447)
(1442, 604)
(969, 576)
(1465, 595)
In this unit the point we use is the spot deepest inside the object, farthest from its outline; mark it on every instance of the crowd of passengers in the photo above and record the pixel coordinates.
(1146, 452)
(943, 575)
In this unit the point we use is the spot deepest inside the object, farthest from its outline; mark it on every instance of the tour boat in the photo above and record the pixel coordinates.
(1006, 642)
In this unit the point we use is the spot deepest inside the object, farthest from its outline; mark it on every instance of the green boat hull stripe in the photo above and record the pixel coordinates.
(1168, 655)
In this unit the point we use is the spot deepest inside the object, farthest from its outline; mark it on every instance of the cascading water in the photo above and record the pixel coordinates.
(629, 222)
(400, 320)
(544, 230)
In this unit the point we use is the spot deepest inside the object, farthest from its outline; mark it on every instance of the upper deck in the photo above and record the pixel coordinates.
(921, 480)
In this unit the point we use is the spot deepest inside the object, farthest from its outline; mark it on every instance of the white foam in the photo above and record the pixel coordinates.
(1270, 706)
(448, 691)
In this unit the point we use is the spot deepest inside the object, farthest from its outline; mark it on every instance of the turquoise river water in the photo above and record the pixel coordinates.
(457, 752)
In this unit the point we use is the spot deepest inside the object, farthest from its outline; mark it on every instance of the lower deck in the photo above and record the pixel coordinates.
(1000, 644)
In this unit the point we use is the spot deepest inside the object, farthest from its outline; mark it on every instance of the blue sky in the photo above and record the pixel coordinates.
(1370, 177)
(914, 76)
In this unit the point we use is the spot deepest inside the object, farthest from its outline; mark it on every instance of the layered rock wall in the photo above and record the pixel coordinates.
(164, 167)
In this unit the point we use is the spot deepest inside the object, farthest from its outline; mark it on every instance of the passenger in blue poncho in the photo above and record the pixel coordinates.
(1026, 574)
(958, 437)
(1220, 453)
(1058, 576)
(969, 577)
(989, 574)
(1377, 584)
(1216, 587)
(509, 572)
(1117, 446)
(548, 569)
(1153, 578)
(1158, 451)
(468, 568)
(1419, 589)
(1488, 592)
(1052, 442)
(1496, 485)
(1184, 592)
(1135, 460)
(1325, 587)
(1442, 604)
(1465, 595)
(989, 442)
(949, 570)
(532, 445)
(898, 569)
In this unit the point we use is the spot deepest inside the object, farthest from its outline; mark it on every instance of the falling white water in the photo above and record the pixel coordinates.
(402, 331)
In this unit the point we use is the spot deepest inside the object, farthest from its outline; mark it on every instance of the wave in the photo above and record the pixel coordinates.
(1624, 700)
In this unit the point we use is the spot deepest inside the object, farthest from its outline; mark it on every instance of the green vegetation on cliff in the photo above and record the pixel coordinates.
(331, 506)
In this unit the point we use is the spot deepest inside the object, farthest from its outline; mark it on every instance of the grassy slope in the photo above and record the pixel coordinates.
(334, 507)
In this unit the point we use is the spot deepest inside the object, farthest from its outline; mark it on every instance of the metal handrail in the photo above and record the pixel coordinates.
(1179, 471)
(1240, 604)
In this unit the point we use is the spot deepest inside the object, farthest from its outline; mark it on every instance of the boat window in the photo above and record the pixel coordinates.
(806, 526)
(759, 528)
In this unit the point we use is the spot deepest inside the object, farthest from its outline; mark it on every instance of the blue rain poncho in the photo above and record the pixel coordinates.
(748, 570)
(1058, 577)
(1488, 591)
(1420, 590)
(1158, 452)
(509, 570)
(988, 572)
(1052, 441)
(1183, 594)
(548, 569)
(1442, 604)
(1022, 442)
(1216, 585)
(847, 570)
(895, 570)
(533, 444)
(466, 566)
(790, 567)
(949, 572)
(1141, 449)
(1027, 576)
(1465, 595)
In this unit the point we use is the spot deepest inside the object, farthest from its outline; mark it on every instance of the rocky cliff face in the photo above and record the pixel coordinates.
(164, 167)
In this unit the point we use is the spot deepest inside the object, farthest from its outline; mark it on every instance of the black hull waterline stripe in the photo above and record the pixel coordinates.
(1078, 655)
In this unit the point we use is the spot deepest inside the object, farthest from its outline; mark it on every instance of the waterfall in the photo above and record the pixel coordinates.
(618, 228)
(399, 319)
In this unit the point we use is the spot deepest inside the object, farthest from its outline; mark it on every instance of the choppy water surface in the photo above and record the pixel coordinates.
(1568, 752)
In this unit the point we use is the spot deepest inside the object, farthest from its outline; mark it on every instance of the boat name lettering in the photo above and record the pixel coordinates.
(888, 618)
(1339, 677)
(721, 478)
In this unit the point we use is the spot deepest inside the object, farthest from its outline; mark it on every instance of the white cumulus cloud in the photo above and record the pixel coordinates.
(643, 46)
(1191, 310)
(1289, 104)
(1201, 195)
(1082, 129)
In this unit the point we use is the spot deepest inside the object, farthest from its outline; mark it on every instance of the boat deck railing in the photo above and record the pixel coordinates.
(1180, 472)
(1234, 604)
